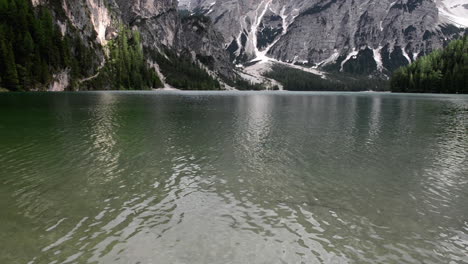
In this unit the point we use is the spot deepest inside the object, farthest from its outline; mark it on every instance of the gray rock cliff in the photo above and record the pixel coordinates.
(361, 36)
(158, 21)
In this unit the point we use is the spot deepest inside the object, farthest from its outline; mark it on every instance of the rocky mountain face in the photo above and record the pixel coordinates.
(159, 23)
(156, 19)
(245, 38)
(206, 44)
(370, 37)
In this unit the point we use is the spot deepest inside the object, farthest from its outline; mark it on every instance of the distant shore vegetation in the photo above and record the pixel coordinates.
(442, 71)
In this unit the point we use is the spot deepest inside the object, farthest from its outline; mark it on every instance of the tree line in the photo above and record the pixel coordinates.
(183, 73)
(32, 47)
(442, 71)
(126, 67)
(299, 80)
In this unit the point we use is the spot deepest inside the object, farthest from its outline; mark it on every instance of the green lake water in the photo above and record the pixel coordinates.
(233, 177)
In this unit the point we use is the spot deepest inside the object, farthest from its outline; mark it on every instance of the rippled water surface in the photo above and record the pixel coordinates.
(233, 178)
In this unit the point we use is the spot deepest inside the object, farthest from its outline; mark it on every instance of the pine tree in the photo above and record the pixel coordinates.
(10, 74)
(441, 71)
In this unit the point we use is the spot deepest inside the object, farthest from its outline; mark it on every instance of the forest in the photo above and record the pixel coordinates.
(442, 71)
(298, 80)
(183, 73)
(32, 48)
(126, 67)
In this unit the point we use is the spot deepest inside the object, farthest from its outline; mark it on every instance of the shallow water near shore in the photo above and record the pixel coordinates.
(233, 177)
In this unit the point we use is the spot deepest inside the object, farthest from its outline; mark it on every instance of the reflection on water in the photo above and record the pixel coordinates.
(233, 178)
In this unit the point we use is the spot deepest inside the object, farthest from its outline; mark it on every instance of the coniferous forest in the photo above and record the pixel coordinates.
(442, 71)
(32, 48)
(127, 63)
(183, 73)
(126, 68)
(299, 80)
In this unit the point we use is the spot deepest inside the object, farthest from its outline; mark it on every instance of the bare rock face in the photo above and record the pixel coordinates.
(347, 35)
(98, 19)
(371, 37)
(157, 20)
(207, 45)
(90, 17)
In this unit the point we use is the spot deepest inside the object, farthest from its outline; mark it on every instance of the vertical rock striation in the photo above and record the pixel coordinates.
(345, 35)
(162, 29)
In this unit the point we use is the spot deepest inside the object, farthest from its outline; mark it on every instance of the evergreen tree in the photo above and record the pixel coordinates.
(183, 73)
(126, 68)
(298, 80)
(32, 47)
(443, 71)
(9, 72)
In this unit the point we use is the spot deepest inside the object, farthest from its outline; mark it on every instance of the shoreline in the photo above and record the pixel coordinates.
(230, 92)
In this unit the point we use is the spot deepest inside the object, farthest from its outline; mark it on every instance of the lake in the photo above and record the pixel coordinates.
(233, 177)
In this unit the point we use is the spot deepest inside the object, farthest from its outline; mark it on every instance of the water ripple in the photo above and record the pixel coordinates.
(233, 178)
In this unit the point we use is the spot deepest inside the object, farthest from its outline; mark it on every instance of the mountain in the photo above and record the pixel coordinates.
(367, 37)
(108, 44)
(215, 44)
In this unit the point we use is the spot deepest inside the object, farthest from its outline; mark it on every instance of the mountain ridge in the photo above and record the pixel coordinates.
(322, 33)
(237, 42)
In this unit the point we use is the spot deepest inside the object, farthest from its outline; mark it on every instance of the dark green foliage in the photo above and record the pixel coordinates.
(183, 73)
(208, 61)
(32, 47)
(298, 80)
(245, 85)
(126, 68)
(363, 64)
(8, 68)
(443, 71)
(394, 59)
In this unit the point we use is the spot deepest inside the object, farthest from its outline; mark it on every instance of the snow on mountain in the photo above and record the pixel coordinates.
(453, 12)
(360, 37)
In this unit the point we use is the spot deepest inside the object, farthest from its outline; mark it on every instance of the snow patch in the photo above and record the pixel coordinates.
(453, 12)
(406, 55)
(254, 30)
(378, 58)
(211, 8)
(353, 55)
(393, 3)
(285, 17)
(329, 60)
(239, 44)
